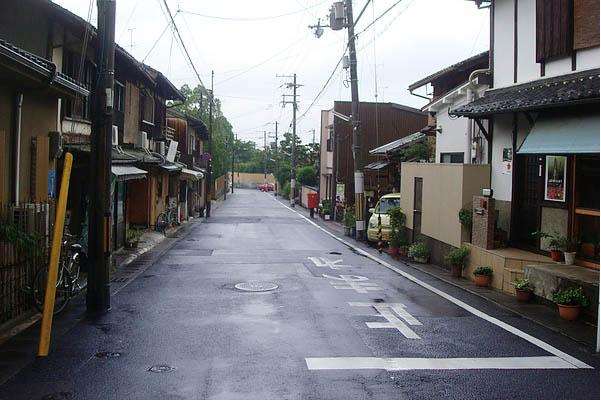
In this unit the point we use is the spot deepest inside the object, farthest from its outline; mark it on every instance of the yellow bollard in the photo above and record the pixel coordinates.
(57, 240)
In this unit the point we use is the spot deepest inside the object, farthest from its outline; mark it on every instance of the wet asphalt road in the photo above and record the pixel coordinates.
(184, 312)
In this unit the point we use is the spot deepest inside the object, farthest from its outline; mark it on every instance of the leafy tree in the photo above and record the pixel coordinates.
(307, 175)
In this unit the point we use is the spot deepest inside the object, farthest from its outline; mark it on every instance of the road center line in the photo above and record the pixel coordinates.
(513, 330)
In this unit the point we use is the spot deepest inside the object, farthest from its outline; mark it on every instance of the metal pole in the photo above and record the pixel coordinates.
(357, 137)
(292, 155)
(265, 156)
(277, 160)
(210, 166)
(98, 290)
(233, 159)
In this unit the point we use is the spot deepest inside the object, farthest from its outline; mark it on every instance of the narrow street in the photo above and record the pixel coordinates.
(338, 325)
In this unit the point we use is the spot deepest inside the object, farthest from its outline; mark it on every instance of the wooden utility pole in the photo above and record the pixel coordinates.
(235, 139)
(356, 123)
(265, 155)
(277, 160)
(99, 225)
(293, 147)
(210, 165)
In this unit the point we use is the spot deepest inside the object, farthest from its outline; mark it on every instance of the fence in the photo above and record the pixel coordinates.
(25, 231)
(220, 187)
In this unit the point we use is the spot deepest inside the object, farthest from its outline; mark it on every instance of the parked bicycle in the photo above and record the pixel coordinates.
(167, 219)
(67, 283)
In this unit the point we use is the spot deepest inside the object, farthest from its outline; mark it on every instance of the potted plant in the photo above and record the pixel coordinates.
(395, 243)
(419, 252)
(349, 221)
(456, 258)
(403, 246)
(132, 238)
(483, 276)
(523, 289)
(569, 246)
(554, 244)
(570, 301)
(326, 208)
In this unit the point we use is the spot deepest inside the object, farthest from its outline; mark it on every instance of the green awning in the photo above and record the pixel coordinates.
(563, 134)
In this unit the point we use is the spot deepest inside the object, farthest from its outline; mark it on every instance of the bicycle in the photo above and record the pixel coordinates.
(67, 282)
(166, 219)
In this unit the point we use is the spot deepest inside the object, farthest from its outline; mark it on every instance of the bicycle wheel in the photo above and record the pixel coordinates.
(63, 290)
(162, 222)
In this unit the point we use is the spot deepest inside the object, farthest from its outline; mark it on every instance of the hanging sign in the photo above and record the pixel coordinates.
(555, 178)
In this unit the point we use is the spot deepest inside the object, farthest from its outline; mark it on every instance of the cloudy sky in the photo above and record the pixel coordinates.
(248, 43)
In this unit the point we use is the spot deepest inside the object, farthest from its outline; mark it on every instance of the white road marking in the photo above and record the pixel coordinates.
(325, 262)
(359, 284)
(392, 364)
(513, 330)
(385, 311)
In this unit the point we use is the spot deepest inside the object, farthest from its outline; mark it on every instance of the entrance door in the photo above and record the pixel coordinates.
(119, 215)
(526, 217)
(418, 184)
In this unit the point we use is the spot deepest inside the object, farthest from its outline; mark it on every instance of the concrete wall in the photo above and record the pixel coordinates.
(305, 191)
(446, 189)
(251, 180)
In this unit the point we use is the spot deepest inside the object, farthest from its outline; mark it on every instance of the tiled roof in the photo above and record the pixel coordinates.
(565, 90)
(462, 65)
(42, 66)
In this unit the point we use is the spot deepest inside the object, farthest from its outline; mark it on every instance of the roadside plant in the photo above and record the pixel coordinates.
(483, 271)
(523, 284)
(419, 250)
(568, 244)
(465, 217)
(573, 296)
(555, 241)
(23, 241)
(458, 256)
(349, 217)
(397, 218)
(326, 206)
(397, 239)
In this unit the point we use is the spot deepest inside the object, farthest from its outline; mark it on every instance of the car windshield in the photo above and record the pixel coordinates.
(387, 203)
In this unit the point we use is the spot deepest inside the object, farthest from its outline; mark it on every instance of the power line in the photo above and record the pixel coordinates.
(380, 16)
(182, 42)
(157, 41)
(252, 19)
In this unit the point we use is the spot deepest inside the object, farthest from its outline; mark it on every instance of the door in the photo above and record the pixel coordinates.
(119, 215)
(529, 191)
(418, 185)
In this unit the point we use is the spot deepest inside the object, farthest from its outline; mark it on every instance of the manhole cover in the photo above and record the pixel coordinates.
(107, 354)
(161, 369)
(256, 286)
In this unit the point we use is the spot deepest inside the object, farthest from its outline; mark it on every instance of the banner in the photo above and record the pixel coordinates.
(555, 178)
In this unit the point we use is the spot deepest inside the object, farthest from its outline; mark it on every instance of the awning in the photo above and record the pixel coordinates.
(188, 174)
(377, 165)
(171, 167)
(397, 145)
(563, 134)
(125, 173)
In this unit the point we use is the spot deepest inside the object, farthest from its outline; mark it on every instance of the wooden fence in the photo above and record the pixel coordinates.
(25, 231)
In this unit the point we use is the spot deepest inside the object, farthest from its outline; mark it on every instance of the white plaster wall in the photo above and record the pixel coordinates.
(528, 68)
(501, 182)
(587, 59)
(453, 137)
(503, 43)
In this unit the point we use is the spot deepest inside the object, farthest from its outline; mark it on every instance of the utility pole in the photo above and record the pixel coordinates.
(234, 159)
(210, 166)
(265, 156)
(294, 103)
(341, 16)
(277, 160)
(99, 224)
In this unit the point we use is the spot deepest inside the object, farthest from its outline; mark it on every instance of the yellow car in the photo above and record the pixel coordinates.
(380, 212)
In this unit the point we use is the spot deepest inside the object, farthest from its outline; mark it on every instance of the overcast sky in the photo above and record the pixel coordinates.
(247, 43)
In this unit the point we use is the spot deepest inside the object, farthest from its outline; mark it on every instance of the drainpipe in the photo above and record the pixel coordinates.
(17, 146)
(471, 97)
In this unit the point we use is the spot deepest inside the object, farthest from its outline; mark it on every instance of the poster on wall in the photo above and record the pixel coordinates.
(555, 178)
(340, 193)
(507, 161)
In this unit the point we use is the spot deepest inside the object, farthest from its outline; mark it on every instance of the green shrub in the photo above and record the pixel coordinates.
(571, 296)
(523, 284)
(326, 206)
(306, 175)
(465, 217)
(457, 256)
(419, 250)
(286, 190)
(555, 241)
(483, 271)
(349, 217)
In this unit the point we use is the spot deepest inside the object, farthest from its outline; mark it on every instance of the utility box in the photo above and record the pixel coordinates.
(312, 200)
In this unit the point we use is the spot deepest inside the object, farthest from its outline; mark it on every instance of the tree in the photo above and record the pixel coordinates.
(307, 175)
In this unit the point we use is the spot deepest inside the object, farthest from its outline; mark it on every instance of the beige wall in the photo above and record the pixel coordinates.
(446, 189)
(251, 180)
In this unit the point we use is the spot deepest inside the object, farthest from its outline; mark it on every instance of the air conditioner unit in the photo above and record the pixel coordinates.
(143, 140)
(162, 148)
(172, 151)
(115, 135)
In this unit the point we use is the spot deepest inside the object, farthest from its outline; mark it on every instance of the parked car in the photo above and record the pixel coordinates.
(380, 212)
(266, 187)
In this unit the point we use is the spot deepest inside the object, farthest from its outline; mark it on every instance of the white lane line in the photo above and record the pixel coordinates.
(392, 364)
(513, 330)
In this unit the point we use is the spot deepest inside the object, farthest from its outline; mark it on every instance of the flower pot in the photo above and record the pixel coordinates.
(556, 255)
(523, 295)
(569, 312)
(569, 257)
(403, 251)
(420, 259)
(456, 270)
(482, 280)
(392, 251)
(347, 231)
(326, 217)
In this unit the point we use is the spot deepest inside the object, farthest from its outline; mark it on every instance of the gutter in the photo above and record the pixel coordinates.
(418, 95)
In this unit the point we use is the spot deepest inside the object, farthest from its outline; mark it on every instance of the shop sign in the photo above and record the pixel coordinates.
(555, 178)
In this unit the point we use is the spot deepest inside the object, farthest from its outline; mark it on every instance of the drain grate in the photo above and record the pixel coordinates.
(161, 369)
(256, 286)
(107, 354)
